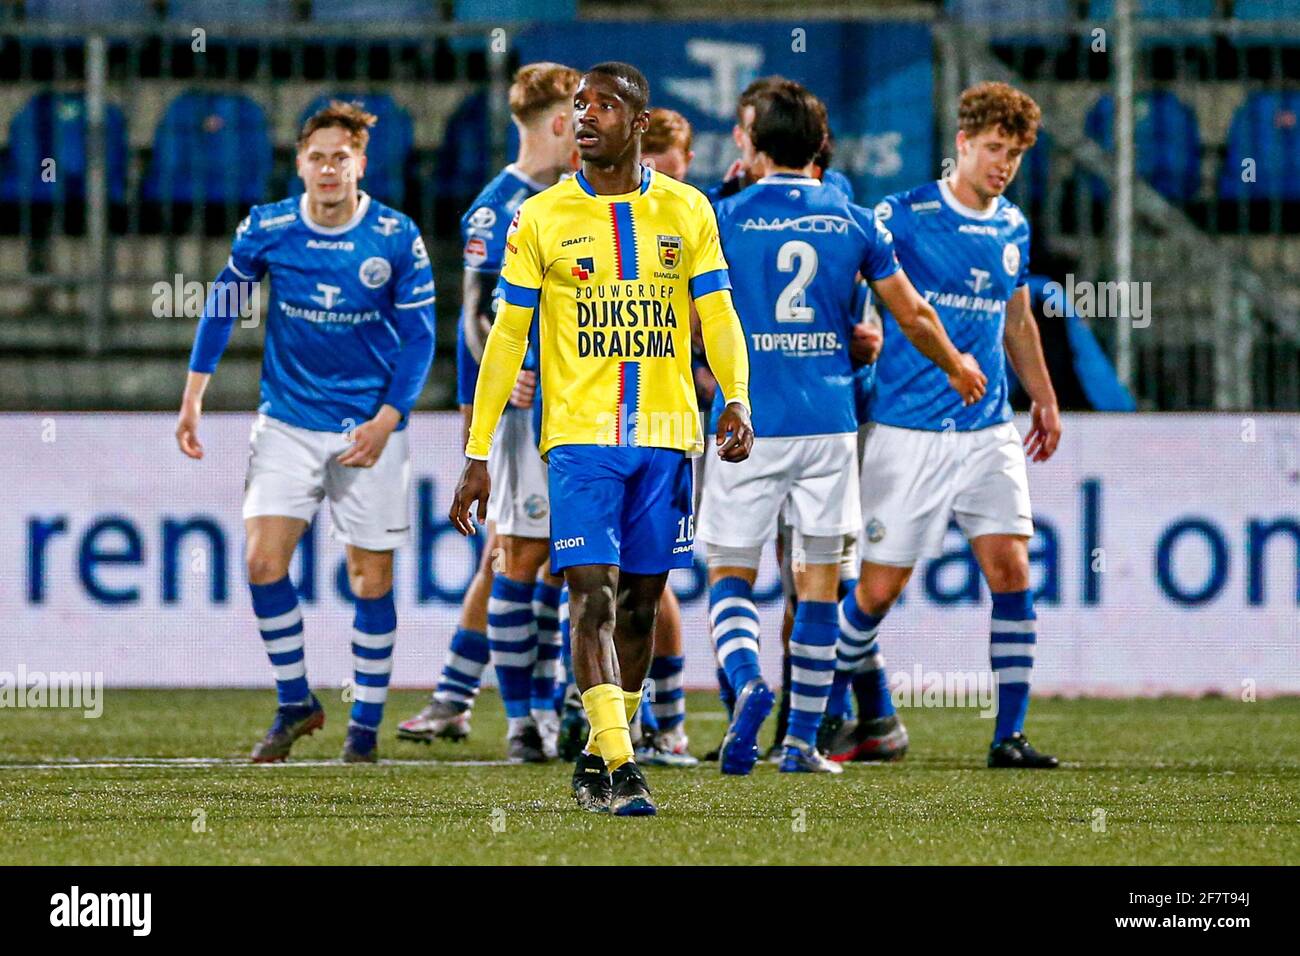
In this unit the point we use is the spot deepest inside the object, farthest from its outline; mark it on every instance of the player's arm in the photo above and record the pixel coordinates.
(1025, 352)
(229, 296)
(503, 356)
(413, 299)
(915, 316)
(724, 339)
(920, 323)
(477, 287)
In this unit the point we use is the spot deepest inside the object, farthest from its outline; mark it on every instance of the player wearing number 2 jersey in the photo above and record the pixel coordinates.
(797, 248)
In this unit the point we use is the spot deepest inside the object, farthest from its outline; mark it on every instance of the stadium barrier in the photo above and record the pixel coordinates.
(1166, 560)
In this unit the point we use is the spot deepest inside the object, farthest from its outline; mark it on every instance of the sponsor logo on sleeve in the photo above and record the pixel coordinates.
(475, 251)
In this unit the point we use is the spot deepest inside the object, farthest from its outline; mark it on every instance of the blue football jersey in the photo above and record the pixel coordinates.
(967, 265)
(794, 247)
(483, 232)
(349, 321)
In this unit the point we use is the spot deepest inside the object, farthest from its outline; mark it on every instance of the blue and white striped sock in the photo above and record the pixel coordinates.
(279, 618)
(812, 667)
(462, 672)
(512, 639)
(1011, 651)
(374, 630)
(725, 693)
(565, 677)
(546, 612)
(734, 622)
(669, 705)
(859, 661)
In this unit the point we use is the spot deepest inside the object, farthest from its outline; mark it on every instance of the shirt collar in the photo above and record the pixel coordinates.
(363, 206)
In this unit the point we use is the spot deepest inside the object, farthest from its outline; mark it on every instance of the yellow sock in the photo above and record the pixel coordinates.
(631, 704)
(604, 706)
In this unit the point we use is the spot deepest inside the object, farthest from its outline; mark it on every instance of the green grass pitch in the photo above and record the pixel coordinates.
(1146, 781)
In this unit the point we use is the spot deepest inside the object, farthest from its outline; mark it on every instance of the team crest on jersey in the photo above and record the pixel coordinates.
(374, 272)
(535, 506)
(875, 531)
(583, 268)
(670, 251)
(1011, 258)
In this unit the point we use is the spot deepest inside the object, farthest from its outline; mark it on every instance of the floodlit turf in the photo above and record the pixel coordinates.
(1173, 781)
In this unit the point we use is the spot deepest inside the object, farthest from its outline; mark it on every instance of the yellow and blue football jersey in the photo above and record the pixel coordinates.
(611, 279)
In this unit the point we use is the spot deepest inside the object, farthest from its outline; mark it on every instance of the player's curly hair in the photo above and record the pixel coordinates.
(351, 117)
(539, 86)
(994, 105)
(667, 129)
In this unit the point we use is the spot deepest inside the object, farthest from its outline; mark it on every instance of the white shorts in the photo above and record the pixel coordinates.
(291, 470)
(808, 482)
(520, 502)
(914, 481)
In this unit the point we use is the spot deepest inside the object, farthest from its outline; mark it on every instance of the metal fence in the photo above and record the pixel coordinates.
(133, 153)
(1160, 172)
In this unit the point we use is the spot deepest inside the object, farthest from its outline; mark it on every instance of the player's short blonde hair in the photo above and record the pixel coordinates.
(999, 106)
(539, 86)
(351, 117)
(667, 129)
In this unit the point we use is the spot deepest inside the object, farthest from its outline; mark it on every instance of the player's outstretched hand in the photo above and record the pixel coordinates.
(368, 440)
(969, 382)
(736, 445)
(474, 486)
(525, 390)
(1044, 432)
(187, 431)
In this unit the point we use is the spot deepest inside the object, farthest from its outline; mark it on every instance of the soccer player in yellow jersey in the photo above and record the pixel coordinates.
(610, 261)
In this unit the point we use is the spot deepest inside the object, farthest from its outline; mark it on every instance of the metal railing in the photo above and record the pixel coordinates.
(90, 256)
(1220, 263)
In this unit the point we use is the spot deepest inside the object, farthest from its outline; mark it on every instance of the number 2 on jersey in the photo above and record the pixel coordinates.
(790, 305)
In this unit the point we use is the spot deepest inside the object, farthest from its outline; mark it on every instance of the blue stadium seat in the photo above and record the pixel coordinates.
(1266, 10)
(1167, 138)
(1001, 11)
(89, 11)
(53, 126)
(1157, 9)
(229, 11)
(210, 148)
(373, 11)
(391, 141)
(1266, 130)
(507, 10)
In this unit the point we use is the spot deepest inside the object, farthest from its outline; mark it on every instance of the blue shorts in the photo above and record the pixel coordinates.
(613, 504)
